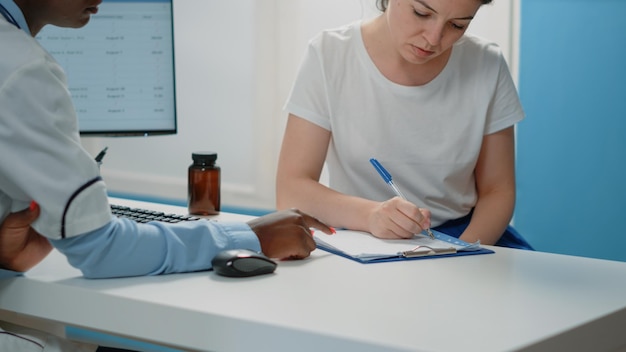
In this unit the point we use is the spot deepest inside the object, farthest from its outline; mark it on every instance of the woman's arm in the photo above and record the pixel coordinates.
(300, 165)
(495, 183)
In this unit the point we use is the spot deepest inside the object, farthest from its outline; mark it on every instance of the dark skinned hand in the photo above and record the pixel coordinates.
(21, 247)
(286, 234)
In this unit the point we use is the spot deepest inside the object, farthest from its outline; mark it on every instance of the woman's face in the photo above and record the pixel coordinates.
(424, 29)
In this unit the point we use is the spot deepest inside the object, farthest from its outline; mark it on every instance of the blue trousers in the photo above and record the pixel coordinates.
(510, 238)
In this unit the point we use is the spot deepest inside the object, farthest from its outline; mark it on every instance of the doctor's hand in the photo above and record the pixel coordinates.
(286, 234)
(21, 247)
(397, 218)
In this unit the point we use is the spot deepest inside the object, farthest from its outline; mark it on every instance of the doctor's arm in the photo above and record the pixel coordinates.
(126, 248)
(495, 183)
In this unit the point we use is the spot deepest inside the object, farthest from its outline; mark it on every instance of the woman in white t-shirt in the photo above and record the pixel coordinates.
(436, 106)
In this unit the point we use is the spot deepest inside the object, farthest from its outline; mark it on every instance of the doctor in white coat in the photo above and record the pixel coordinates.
(44, 168)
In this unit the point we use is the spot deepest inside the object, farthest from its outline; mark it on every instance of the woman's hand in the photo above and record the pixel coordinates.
(397, 218)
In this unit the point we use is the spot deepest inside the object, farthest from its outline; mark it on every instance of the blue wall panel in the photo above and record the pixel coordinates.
(571, 165)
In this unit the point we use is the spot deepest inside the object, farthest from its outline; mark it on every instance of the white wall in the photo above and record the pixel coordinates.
(235, 64)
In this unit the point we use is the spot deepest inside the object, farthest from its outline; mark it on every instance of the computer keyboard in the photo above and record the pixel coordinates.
(145, 215)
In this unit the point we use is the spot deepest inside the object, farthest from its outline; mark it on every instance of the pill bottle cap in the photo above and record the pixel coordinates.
(204, 156)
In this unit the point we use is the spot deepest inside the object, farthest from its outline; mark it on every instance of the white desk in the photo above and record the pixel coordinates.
(510, 300)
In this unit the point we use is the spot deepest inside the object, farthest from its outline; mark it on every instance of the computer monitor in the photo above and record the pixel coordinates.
(120, 68)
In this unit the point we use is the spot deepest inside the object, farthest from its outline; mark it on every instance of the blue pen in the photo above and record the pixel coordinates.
(387, 178)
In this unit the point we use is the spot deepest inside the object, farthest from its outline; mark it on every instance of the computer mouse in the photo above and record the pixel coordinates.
(242, 263)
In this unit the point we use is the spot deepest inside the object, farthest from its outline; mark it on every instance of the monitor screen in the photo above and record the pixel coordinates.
(120, 68)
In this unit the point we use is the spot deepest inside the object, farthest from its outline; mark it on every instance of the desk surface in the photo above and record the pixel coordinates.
(510, 300)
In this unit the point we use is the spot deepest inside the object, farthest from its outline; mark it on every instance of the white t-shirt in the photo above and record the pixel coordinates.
(428, 137)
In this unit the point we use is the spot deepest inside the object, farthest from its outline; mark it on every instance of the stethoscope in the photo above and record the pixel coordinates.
(8, 16)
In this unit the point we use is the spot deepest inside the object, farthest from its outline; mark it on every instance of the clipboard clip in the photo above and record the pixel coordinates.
(423, 251)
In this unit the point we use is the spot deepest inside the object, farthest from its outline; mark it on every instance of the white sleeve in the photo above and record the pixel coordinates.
(506, 108)
(309, 97)
(42, 158)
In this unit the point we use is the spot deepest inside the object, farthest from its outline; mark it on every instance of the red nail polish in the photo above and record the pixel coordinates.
(332, 229)
(32, 205)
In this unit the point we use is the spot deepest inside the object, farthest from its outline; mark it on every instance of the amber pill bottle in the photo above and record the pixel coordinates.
(204, 184)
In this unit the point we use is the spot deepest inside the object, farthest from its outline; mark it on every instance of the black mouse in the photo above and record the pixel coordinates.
(242, 263)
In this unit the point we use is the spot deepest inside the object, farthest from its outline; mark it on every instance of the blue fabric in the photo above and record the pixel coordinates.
(126, 248)
(510, 238)
(14, 15)
(8, 273)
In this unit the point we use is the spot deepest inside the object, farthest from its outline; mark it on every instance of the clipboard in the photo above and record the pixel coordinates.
(364, 248)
